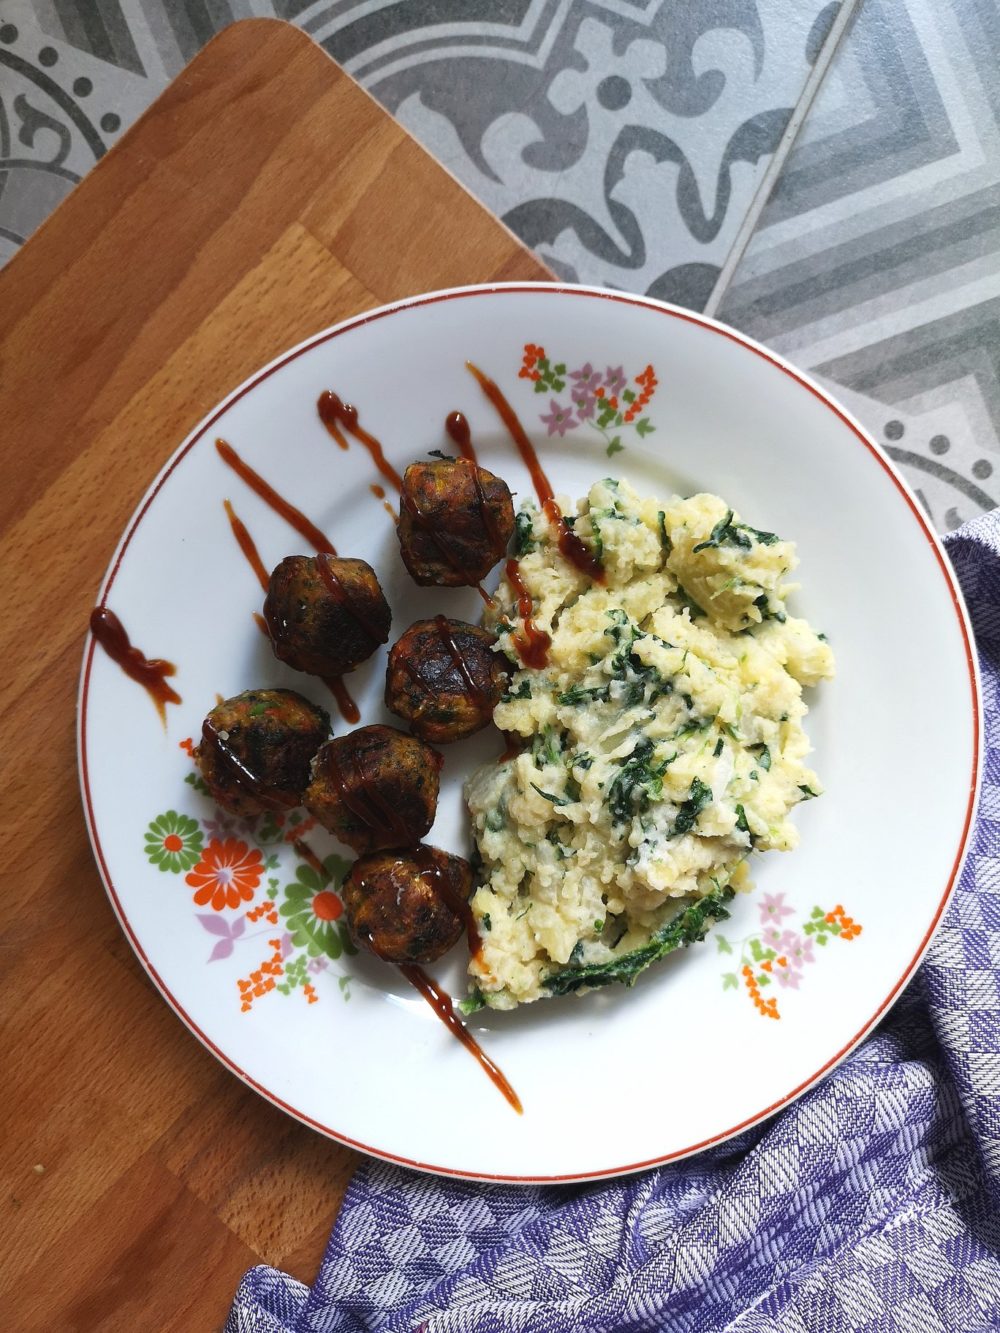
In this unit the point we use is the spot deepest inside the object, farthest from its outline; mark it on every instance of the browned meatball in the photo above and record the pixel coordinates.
(375, 788)
(408, 906)
(455, 520)
(325, 615)
(256, 750)
(444, 679)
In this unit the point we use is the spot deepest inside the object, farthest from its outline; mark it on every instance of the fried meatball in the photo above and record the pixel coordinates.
(444, 679)
(256, 749)
(407, 906)
(325, 615)
(375, 788)
(455, 520)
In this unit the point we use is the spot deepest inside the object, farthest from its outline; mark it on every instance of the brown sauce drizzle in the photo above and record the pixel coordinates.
(477, 694)
(430, 528)
(514, 746)
(335, 684)
(443, 1005)
(277, 502)
(341, 595)
(248, 546)
(149, 672)
(430, 871)
(532, 643)
(271, 798)
(333, 413)
(362, 797)
(348, 708)
(379, 494)
(414, 672)
(573, 549)
(440, 1001)
(306, 853)
(485, 513)
(457, 429)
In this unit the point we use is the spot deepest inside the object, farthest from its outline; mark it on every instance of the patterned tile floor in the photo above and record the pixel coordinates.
(822, 175)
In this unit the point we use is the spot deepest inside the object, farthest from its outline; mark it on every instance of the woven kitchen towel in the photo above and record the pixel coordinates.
(872, 1205)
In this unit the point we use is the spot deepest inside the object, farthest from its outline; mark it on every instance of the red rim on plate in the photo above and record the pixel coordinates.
(670, 312)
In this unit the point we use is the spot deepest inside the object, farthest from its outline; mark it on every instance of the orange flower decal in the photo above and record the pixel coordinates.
(769, 1008)
(849, 928)
(227, 874)
(603, 401)
(532, 355)
(262, 979)
(775, 954)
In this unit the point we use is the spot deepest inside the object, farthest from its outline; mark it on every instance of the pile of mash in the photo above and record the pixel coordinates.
(663, 742)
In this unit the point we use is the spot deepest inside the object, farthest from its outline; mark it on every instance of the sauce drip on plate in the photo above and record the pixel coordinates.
(443, 1005)
(457, 429)
(513, 747)
(379, 494)
(348, 708)
(577, 552)
(532, 643)
(304, 526)
(335, 414)
(306, 853)
(440, 1001)
(149, 672)
(248, 546)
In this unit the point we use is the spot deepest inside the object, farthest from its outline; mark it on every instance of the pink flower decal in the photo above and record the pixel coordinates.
(587, 381)
(786, 975)
(559, 419)
(614, 379)
(798, 950)
(772, 908)
(609, 404)
(777, 955)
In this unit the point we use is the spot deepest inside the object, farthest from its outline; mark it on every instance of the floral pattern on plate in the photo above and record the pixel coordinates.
(299, 917)
(777, 953)
(607, 401)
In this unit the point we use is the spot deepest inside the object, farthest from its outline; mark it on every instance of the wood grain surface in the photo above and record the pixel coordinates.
(262, 197)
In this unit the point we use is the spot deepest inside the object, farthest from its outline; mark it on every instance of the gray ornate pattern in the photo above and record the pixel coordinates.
(632, 143)
(48, 137)
(624, 139)
(875, 262)
(624, 142)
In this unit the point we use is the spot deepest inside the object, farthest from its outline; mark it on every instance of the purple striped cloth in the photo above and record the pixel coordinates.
(872, 1205)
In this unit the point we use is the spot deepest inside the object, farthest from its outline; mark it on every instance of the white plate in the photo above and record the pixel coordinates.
(615, 1080)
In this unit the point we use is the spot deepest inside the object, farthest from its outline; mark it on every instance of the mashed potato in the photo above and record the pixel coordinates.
(663, 742)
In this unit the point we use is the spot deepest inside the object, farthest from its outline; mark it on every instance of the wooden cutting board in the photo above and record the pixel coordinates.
(262, 197)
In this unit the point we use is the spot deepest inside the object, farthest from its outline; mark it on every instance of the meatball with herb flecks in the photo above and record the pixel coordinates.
(325, 615)
(407, 906)
(455, 520)
(444, 678)
(376, 787)
(256, 749)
